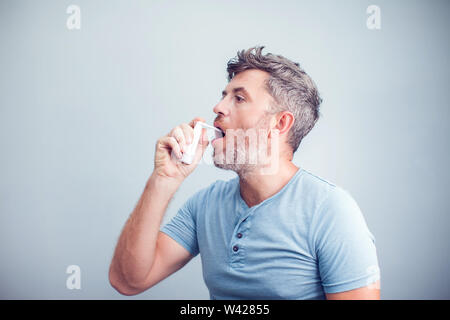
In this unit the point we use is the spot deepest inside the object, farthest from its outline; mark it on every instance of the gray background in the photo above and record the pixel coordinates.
(81, 111)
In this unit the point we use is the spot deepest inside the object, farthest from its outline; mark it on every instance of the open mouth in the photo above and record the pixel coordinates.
(219, 134)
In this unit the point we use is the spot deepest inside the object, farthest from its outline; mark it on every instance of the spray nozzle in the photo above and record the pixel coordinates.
(188, 156)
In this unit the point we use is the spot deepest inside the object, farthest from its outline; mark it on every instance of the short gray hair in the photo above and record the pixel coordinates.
(289, 85)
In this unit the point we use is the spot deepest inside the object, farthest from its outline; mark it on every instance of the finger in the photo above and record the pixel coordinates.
(172, 144)
(178, 134)
(195, 120)
(204, 138)
(188, 132)
(201, 149)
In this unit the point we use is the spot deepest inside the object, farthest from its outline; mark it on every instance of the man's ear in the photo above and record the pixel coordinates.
(284, 121)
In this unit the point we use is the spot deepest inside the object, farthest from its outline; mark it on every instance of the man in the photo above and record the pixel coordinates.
(273, 232)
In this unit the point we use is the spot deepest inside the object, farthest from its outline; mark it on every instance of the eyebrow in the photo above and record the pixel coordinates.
(236, 90)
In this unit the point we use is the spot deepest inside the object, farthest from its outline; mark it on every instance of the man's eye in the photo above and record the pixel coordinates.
(239, 99)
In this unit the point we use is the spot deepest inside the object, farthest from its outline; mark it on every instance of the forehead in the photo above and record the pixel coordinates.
(252, 80)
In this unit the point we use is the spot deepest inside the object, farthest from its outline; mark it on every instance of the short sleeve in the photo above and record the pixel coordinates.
(344, 246)
(182, 227)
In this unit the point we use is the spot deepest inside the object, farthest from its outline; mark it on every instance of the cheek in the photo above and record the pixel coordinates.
(252, 115)
(243, 119)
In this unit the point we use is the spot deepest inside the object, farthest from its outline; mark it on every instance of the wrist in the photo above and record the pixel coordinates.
(163, 183)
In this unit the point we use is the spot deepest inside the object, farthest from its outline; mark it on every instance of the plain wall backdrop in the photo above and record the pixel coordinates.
(81, 110)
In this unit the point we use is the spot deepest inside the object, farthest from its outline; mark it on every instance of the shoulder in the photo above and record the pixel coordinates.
(333, 205)
(327, 194)
(312, 191)
(340, 204)
(316, 182)
(338, 219)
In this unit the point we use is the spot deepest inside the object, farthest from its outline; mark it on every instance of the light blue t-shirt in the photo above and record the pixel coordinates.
(307, 239)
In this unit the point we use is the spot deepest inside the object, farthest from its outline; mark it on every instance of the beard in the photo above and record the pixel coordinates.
(247, 153)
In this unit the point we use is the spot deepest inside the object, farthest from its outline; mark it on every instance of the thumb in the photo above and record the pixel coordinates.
(204, 138)
(202, 145)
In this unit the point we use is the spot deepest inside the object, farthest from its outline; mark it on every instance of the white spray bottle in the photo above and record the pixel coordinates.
(188, 156)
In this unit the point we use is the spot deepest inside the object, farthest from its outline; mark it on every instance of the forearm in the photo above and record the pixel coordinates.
(135, 251)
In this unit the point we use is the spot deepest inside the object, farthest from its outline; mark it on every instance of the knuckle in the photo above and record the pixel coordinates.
(161, 140)
(174, 143)
(178, 133)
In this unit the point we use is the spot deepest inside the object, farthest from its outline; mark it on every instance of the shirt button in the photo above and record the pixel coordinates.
(239, 235)
(235, 248)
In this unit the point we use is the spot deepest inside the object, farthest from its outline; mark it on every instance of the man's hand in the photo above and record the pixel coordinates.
(169, 150)
(144, 255)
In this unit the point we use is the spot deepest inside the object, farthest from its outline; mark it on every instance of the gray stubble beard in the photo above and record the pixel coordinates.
(244, 151)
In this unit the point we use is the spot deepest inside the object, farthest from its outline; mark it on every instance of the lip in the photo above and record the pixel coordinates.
(217, 125)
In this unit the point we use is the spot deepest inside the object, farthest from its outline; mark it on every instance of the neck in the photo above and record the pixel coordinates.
(256, 187)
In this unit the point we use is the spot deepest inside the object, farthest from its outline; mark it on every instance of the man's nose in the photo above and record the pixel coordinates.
(221, 108)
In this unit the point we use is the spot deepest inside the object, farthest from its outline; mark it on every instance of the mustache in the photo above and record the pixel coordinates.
(263, 122)
(218, 119)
